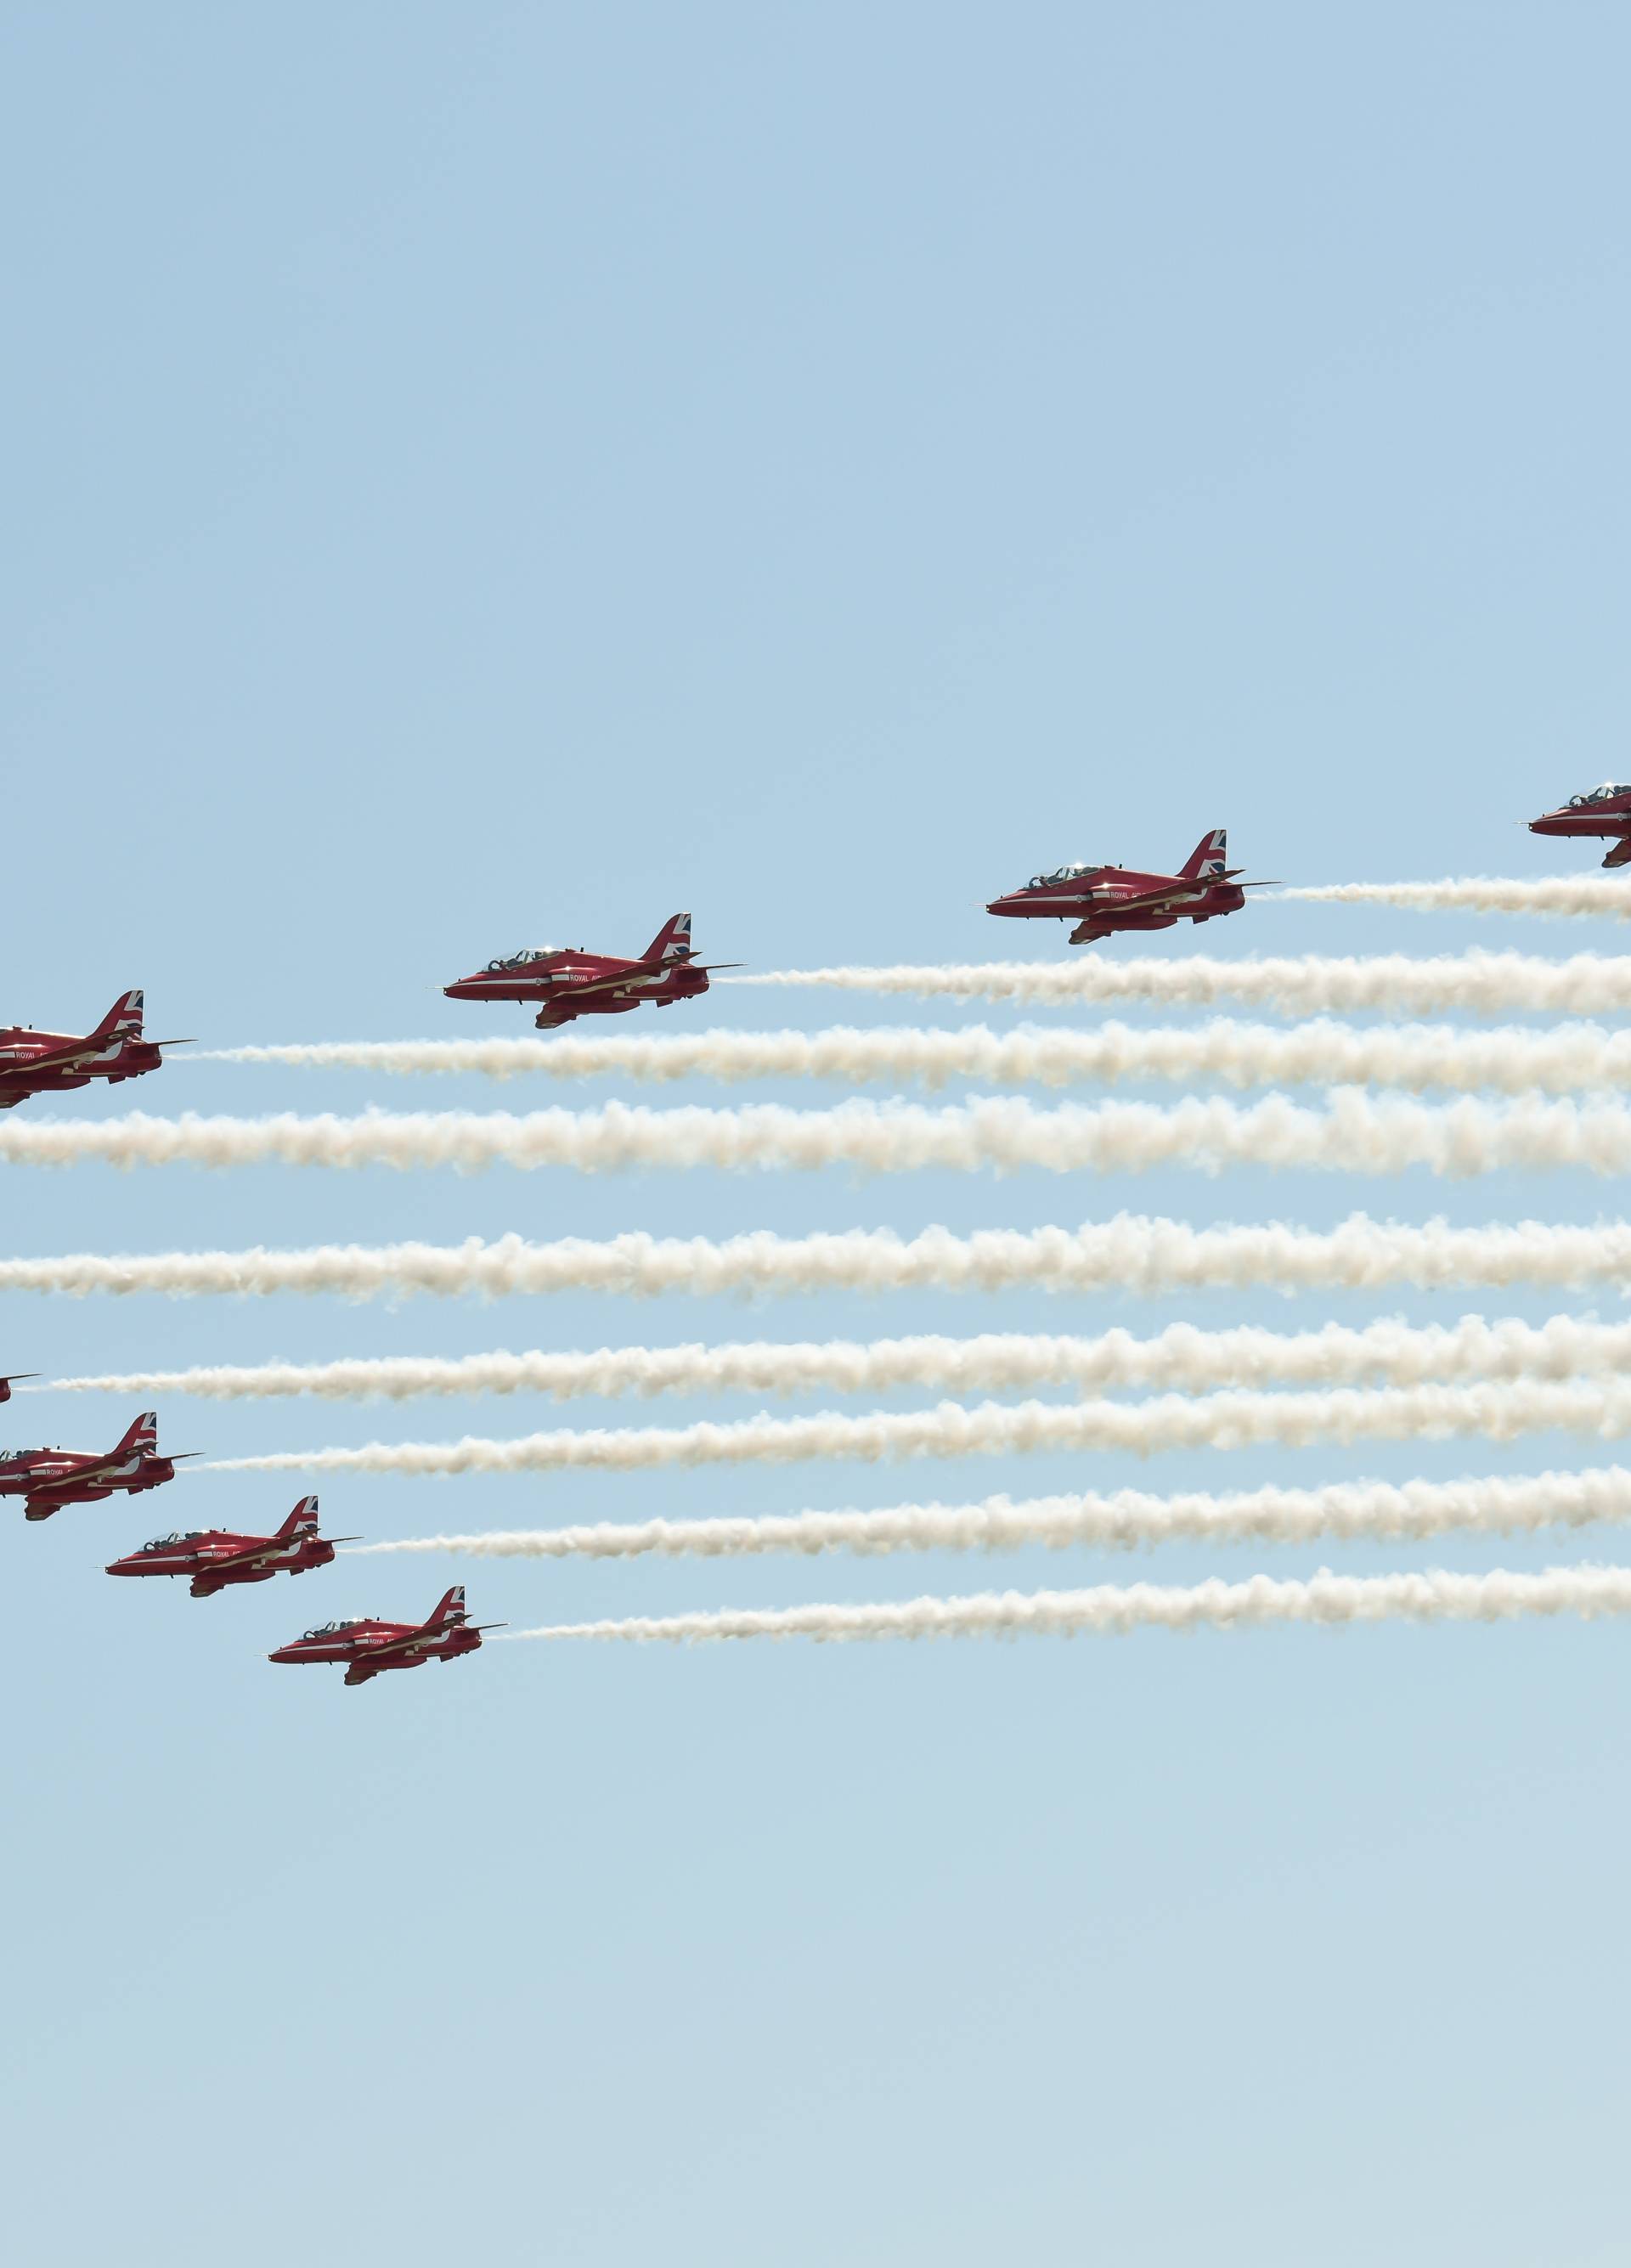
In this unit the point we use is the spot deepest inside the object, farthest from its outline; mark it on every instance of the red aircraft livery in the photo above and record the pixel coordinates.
(1104, 899)
(50, 1062)
(12, 1379)
(215, 1558)
(1605, 811)
(570, 984)
(50, 1478)
(367, 1647)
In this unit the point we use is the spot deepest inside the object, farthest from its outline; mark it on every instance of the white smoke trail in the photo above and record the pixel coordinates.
(1354, 1134)
(1125, 1520)
(1141, 1256)
(1577, 895)
(1436, 1596)
(1182, 1358)
(1422, 1057)
(1472, 983)
(1237, 1419)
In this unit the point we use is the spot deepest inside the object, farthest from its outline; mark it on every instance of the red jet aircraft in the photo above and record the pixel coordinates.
(215, 1558)
(11, 1380)
(50, 1062)
(1605, 811)
(1105, 899)
(581, 983)
(367, 1647)
(50, 1478)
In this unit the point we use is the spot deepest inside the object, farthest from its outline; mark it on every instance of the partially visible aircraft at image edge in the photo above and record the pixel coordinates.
(1603, 811)
(1105, 899)
(368, 1646)
(51, 1062)
(578, 984)
(214, 1558)
(50, 1478)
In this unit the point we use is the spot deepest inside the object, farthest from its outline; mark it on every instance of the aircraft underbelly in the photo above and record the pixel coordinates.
(1605, 823)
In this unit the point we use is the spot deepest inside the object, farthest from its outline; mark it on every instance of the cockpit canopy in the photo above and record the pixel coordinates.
(1060, 874)
(329, 1630)
(176, 1535)
(521, 959)
(1596, 795)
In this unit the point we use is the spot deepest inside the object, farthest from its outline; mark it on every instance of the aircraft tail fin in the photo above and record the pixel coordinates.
(143, 1436)
(301, 1521)
(122, 1022)
(1209, 857)
(672, 942)
(448, 1609)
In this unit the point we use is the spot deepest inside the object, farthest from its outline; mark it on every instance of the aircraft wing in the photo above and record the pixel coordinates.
(65, 1058)
(1193, 886)
(1110, 901)
(255, 1556)
(427, 1634)
(87, 1051)
(406, 1644)
(616, 980)
(269, 1547)
(99, 1469)
(96, 1471)
(638, 979)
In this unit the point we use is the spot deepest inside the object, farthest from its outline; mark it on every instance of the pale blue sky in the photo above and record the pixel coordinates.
(485, 474)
